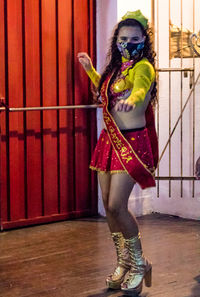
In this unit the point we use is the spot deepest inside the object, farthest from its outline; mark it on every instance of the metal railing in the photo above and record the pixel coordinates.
(41, 108)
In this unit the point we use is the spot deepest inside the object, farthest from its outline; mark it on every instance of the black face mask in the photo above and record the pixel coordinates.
(129, 50)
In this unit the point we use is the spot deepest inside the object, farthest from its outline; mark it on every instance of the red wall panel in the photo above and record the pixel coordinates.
(3, 149)
(33, 132)
(45, 154)
(81, 43)
(15, 82)
(92, 113)
(66, 118)
(49, 97)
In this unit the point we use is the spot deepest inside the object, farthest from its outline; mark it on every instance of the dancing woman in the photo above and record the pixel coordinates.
(127, 150)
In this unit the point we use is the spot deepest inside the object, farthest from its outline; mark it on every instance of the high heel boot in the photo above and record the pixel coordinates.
(140, 270)
(115, 279)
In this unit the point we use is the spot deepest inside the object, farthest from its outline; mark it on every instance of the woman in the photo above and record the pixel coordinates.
(127, 150)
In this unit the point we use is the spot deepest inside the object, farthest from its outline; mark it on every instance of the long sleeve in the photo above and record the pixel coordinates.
(94, 76)
(142, 76)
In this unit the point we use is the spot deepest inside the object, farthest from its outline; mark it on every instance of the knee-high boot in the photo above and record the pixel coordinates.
(140, 267)
(115, 279)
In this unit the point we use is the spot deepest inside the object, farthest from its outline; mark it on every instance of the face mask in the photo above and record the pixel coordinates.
(129, 50)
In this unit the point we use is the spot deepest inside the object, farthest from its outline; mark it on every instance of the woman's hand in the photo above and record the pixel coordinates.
(85, 61)
(124, 105)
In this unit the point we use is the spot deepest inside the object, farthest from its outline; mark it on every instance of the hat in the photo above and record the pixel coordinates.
(136, 15)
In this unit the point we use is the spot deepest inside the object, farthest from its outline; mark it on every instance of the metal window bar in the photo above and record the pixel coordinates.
(193, 111)
(171, 69)
(158, 107)
(170, 105)
(181, 140)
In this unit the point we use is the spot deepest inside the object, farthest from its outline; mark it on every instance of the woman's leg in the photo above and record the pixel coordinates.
(121, 185)
(120, 189)
(104, 181)
(115, 279)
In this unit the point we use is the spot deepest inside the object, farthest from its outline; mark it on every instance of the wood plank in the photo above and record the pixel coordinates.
(73, 258)
(33, 133)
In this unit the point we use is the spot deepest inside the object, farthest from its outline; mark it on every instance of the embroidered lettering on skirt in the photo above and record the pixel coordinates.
(123, 151)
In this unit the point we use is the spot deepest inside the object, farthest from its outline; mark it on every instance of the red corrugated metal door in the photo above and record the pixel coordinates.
(45, 154)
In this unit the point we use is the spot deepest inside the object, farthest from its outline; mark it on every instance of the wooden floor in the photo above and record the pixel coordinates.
(72, 258)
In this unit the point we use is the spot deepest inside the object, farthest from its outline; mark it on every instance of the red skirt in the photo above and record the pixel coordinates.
(104, 158)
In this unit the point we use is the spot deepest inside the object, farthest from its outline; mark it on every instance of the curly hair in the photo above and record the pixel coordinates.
(114, 55)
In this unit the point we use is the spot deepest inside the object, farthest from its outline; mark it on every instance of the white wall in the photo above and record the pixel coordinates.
(144, 202)
(129, 5)
(106, 20)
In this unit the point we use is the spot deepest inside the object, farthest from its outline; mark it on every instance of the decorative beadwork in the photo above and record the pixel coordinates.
(115, 93)
(127, 64)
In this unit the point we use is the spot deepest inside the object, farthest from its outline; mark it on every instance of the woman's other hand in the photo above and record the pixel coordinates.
(124, 106)
(85, 61)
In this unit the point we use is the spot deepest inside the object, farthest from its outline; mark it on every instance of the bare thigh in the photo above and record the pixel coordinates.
(116, 189)
(104, 181)
(121, 186)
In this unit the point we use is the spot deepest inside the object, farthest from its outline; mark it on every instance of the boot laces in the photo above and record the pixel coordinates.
(137, 265)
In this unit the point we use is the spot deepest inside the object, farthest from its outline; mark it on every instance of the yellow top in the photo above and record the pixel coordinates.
(94, 76)
(137, 79)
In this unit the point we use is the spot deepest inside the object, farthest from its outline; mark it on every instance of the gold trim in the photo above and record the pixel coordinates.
(107, 171)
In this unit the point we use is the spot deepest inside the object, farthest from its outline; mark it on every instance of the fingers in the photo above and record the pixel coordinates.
(85, 60)
(123, 106)
(118, 106)
(82, 58)
(82, 61)
(82, 55)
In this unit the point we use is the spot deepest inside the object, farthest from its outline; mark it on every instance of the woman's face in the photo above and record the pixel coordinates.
(130, 41)
(130, 34)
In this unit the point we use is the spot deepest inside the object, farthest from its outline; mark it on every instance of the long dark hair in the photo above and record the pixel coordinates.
(114, 55)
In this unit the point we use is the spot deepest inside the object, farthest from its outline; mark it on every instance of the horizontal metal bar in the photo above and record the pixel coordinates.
(174, 69)
(37, 108)
(176, 178)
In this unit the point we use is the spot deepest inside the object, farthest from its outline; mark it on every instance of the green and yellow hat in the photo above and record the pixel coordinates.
(136, 15)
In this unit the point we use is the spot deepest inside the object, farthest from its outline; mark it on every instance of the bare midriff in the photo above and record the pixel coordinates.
(132, 119)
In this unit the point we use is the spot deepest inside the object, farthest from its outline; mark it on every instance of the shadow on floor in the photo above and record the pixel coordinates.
(136, 295)
(196, 289)
(104, 293)
(107, 292)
